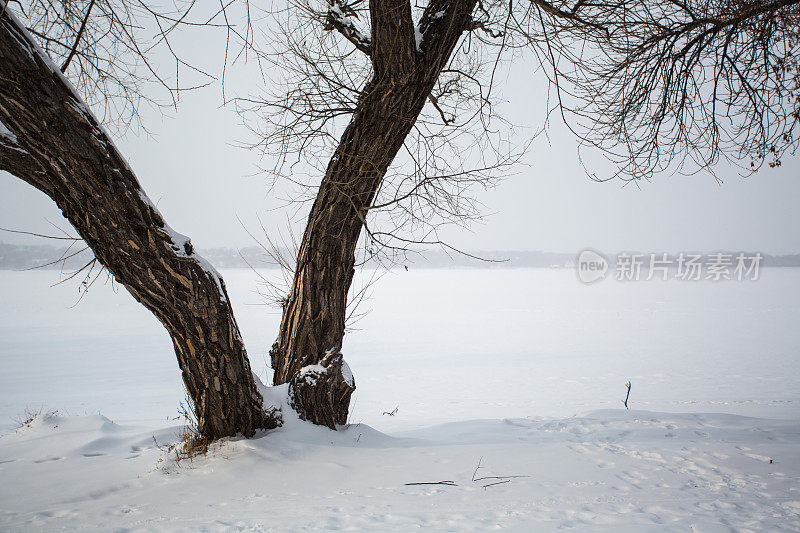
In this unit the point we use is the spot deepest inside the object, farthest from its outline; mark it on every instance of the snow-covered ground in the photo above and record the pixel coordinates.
(517, 372)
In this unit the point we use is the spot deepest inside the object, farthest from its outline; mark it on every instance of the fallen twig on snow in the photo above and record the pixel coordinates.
(503, 479)
(496, 477)
(496, 483)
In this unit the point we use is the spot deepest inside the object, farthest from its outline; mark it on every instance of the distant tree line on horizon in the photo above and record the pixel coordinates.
(26, 256)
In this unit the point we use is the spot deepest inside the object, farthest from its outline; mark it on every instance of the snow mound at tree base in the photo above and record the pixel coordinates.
(611, 470)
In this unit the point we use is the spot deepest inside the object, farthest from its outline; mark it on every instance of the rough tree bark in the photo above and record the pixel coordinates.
(404, 73)
(49, 139)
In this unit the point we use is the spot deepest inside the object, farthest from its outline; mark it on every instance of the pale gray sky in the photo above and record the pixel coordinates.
(202, 182)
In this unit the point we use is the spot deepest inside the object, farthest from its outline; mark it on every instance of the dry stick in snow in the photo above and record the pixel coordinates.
(625, 402)
(497, 477)
(503, 479)
(477, 468)
(496, 483)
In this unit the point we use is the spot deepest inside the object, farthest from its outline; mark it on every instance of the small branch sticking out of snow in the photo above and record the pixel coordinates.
(625, 402)
(501, 479)
(477, 468)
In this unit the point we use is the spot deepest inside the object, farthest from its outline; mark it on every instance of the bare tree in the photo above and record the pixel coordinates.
(392, 106)
(648, 82)
(50, 139)
(407, 91)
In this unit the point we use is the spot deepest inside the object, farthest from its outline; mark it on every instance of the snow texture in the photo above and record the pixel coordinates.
(311, 373)
(9, 140)
(603, 471)
(6, 134)
(347, 374)
(510, 377)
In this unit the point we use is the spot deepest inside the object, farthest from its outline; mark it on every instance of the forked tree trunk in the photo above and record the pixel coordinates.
(307, 352)
(49, 139)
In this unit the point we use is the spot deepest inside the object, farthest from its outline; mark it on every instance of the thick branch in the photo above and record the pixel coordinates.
(50, 139)
(393, 43)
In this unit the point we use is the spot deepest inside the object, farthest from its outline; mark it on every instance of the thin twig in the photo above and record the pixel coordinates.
(41, 235)
(74, 49)
(477, 468)
(497, 477)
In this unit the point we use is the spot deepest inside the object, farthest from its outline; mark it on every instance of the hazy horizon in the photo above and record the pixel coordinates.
(204, 185)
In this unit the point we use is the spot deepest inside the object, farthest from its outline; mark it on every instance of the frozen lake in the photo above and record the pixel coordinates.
(508, 383)
(440, 345)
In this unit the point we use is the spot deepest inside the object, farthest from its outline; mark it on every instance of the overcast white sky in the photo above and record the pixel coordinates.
(202, 182)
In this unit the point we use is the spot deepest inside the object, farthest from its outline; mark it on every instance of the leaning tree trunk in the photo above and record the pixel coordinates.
(307, 354)
(49, 139)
